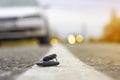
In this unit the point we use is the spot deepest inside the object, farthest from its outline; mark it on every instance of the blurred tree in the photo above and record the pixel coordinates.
(112, 30)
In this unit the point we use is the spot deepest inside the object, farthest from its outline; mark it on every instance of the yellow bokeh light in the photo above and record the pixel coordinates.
(71, 39)
(79, 38)
(53, 41)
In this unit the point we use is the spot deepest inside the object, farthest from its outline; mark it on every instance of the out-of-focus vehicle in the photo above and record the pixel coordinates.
(23, 19)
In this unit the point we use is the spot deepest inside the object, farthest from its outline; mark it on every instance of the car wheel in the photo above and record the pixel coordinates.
(44, 40)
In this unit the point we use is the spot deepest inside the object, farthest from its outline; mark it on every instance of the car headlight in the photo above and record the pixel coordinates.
(35, 20)
(32, 16)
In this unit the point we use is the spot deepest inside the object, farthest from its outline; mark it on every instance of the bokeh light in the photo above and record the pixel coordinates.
(79, 38)
(53, 41)
(71, 39)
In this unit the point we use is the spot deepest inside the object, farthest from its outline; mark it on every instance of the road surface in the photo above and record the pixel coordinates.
(70, 68)
(103, 57)
(16, 60)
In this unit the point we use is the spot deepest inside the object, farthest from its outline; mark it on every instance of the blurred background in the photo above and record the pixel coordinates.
(90, 29)
(96, 21)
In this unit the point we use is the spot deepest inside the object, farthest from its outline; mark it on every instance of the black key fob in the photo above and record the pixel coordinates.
(49, 57)
(48, 63)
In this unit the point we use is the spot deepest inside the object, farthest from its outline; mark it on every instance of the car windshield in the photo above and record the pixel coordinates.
(13, 3)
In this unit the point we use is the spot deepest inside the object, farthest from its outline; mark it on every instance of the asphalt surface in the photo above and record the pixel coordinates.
(70, 68)
(15, 60)
(103, 57)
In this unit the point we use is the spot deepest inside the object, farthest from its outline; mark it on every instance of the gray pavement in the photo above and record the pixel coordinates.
(103, 57)
(16, 60)
(70, 68)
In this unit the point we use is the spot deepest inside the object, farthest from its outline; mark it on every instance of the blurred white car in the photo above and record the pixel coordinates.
(23, 19)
